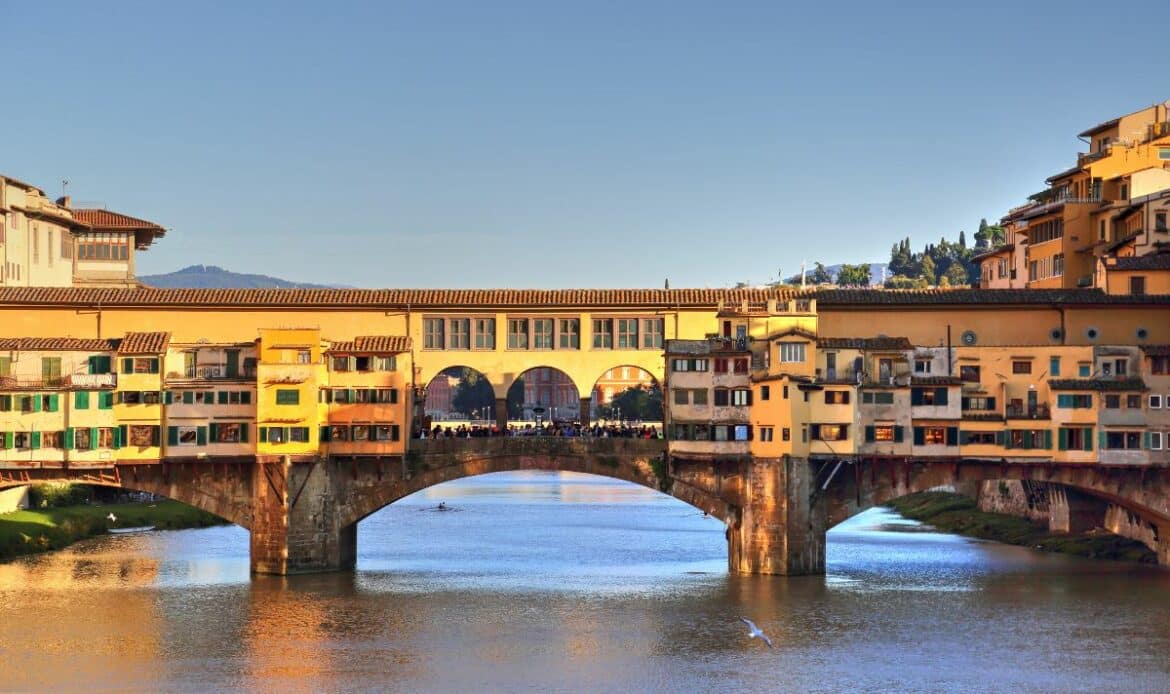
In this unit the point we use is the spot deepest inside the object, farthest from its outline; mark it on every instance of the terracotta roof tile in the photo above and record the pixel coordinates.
(144, 343)
(650, 299)
(1156, 350)
(105, 219)
(1153, 261)
(58, 344)
(379, 344)
(865, 343)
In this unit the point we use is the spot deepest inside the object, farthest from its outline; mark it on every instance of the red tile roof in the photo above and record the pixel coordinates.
(1156, 350)
(865, 343)
(58, 344)
(144, 343)
(371, 344)
(105, 219)
(935, 381)
(1096, 384)
(597, 299)
(1153, 261)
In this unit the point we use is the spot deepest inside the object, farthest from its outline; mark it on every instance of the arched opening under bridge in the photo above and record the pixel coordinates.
(541, 395)
(628, 394)
(459, 394)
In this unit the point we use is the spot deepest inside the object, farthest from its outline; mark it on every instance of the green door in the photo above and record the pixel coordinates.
(233, 363)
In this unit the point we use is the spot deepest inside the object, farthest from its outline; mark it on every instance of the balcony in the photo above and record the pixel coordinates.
(211, 372)
(93, 380)
(1025, 412)
(70, 381)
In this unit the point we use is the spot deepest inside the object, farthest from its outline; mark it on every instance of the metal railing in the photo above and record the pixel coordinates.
(1025, 412)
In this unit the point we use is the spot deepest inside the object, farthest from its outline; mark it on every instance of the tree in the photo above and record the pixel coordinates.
(854, 275)
(516, 399)
(904, 282)
(927, 272)
(820, 275)
(957, 276)
(639, 402)
(471, 393)
(962, 239)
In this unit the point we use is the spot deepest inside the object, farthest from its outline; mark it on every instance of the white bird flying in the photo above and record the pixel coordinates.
(112, 518)
(754, 631)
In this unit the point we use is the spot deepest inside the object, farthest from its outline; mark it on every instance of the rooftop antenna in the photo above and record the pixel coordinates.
(666, 285)
(64, 185)
(802, 271)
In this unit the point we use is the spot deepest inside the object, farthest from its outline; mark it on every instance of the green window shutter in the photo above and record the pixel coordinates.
(814, 431)
(1062, 439)
(1145, 440)
(4, 440)
(188, 397)
(1063, 400)
(120, 437)
(93, 438)
(172, 436)
(154, 365)
(991, 403)
(1003, 438)
(36, 403)
(127, 366)
(915, 396)
(81, 400)
(1088, 438)
(325, 434)
(870, 436)
(919, 436)
(352, 395)
(34, 440)
(68, 439)
(1048, 439)
(93, 365)
(5, 403)
(213, 432)
(899, 433)
(1027, 436)
(263, 434)
(952, 436)
(304, 432)
(156, 435)
(353, 363)
(1101, 440)
(244, 433)
(201, 436)
(393, 396)
(169, 397)
(1054, 367)
(964, 438)
(54, 402)
(246, 397)
(222, 397)
(105, 399)
(940, 396)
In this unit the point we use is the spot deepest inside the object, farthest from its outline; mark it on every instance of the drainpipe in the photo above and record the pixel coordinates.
(950, 353)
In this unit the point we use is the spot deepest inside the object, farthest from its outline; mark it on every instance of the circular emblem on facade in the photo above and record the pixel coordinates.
(1091, 333)
(969, 337)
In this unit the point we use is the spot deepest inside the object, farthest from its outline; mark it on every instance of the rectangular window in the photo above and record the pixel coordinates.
(288, 397)
(460, 333)
(978, 438)
(1054, 366)
(227, 432)
(765, 392)
(627, 333)
(721, 397)
(830, 432)
(1158, 366)
(883, 433)
(298, 434)
(741, 398)
(603, 333)
(922, 366)
(1074, 400)
(699, 397)
(1133, 401)
(542, 333)
(652, 329)
(141, 436)
(680, 365)
(51, 370)
(785, 434)
(1021, 367)
(1121, 366)
(721, 365)
(1160, 221)
(792, 351)
(1155, 441)
(485, 333)
(569, 333)
(340, 363)
(360, 432)
(433, 334)
(741, 365)
(277, 434)
(1123, 440)
(699, 365)
(1155, 402)
(517, 333)
(766, 433)
(680, 396)
(934, 436)
(83, 439)
(304, 356)
(879, 397)
(836, 397)
(1112, 402)
(1084, 370)
(969, 373)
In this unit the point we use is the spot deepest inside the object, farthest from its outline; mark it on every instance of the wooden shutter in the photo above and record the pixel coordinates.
(172, 436)
(201, 436)
(1062, 438)
(919, 436)
(222, 397)
(213, 432)
(915, 396)
(814, 431)
(870, 434)
(127, 366)
(154, 365)
(1088, 438)
(325, 438)
(156, 435)
(899, 434)
(81, 400)
(952, 436)
(188, 397)
(120, 437)
(5, 403)
(105, 399)
(263, 434)
(940, 396)
(1102, 440)
(54, 402)
(68, 443)
(246, 397)
(34, 440)
(244, 432)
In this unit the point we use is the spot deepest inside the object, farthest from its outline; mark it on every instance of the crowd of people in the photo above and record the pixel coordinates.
(561, 429)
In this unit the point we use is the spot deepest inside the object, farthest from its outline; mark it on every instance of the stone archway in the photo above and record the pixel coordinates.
(627, 392)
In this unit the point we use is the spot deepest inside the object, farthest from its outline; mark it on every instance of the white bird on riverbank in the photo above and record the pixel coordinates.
(112, 518)
(754, 631)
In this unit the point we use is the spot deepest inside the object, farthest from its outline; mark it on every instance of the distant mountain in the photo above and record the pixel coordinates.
(213, 277)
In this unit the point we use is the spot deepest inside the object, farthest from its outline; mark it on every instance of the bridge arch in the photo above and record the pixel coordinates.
(637, 392)
(432, 462)
(458, 392)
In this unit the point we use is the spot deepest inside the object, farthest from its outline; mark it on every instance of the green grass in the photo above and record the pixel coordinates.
(43, 530)
(955, 513)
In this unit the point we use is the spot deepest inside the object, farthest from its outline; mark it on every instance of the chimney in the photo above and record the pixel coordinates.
(63, 201)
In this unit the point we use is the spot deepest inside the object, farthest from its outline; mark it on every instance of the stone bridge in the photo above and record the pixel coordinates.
(303, 516)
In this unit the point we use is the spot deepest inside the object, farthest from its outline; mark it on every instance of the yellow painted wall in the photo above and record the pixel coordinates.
(278, 370)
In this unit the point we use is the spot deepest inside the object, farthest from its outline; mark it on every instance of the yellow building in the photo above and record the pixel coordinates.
(368, 397)
(138, 401)
(210, 399)
(289, 370)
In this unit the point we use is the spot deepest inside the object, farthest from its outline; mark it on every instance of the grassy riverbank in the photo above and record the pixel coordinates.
(43, 530)
(955, 513)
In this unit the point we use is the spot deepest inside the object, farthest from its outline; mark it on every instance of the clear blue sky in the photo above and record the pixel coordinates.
(533, 144)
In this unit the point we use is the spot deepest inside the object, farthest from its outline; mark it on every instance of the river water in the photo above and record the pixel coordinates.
(561, 582)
